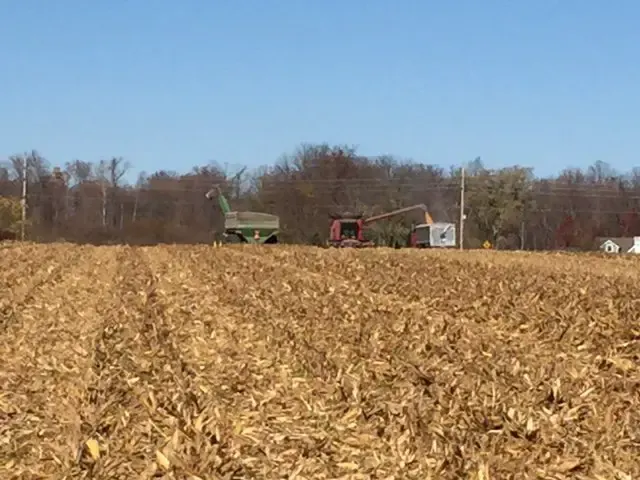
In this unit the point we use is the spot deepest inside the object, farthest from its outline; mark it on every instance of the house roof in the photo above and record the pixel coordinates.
(625, 243)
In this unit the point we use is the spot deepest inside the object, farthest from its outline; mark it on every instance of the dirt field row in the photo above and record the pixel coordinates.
(249, 363)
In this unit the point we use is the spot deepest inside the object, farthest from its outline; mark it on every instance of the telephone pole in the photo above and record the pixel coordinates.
(462, 216)
(23, 201)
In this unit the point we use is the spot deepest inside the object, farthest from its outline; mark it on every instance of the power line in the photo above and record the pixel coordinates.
(271, 197)
(414, 189)
(41, 199)
(320, 187)
(473, 183)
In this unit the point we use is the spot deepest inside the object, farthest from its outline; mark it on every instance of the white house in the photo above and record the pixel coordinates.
(619, 244)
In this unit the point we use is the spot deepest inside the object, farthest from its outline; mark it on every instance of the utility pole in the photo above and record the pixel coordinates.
(524, 216)
(462, 215)
(25, 165)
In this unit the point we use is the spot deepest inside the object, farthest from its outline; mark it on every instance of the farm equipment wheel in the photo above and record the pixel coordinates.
(231, 239)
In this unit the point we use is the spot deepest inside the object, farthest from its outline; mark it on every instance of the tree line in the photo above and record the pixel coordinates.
(91, 202)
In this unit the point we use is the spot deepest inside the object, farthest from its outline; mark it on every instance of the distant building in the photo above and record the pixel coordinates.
(619, 244)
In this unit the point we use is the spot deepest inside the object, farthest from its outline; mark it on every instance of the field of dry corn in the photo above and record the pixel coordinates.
(303, 363)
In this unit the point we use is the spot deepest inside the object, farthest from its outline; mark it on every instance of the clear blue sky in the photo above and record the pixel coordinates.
(545, 83)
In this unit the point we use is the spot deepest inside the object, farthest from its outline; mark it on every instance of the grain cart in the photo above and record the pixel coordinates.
(347, 230)
(244, 226)
(433, 235)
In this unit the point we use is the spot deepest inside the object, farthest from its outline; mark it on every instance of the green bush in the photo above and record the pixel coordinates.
(10, 214)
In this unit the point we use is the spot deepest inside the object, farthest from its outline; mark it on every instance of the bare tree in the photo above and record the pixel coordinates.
(142, 179)
(110, 174)
(79, 171)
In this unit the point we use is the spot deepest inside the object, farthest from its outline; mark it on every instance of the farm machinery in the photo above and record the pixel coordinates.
(347, 230)
(245, 226)
(433, 235)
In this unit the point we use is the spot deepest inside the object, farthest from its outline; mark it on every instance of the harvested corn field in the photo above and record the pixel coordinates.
(292, 362)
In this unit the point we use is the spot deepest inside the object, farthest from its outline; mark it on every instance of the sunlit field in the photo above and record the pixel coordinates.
(293, 362)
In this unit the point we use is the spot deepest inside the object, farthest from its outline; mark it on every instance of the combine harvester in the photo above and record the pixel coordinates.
(347, 230)
(246, 227)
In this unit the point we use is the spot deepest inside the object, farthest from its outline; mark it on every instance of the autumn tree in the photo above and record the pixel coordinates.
(498, 199)
(10, 217)
(89, 201)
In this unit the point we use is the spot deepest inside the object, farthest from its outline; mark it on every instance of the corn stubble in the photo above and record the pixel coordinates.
(291, 362)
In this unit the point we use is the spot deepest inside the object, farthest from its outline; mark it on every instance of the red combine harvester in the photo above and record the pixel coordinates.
(347, 230)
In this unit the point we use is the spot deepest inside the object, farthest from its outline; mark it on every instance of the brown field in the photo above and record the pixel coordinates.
(251, 363)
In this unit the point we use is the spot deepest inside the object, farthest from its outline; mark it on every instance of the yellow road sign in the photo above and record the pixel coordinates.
(486, 244)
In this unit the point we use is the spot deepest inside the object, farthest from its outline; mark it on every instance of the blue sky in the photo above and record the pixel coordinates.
(169, 85)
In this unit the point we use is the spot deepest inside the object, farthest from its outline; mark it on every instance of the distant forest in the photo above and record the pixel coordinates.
(84, 201)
